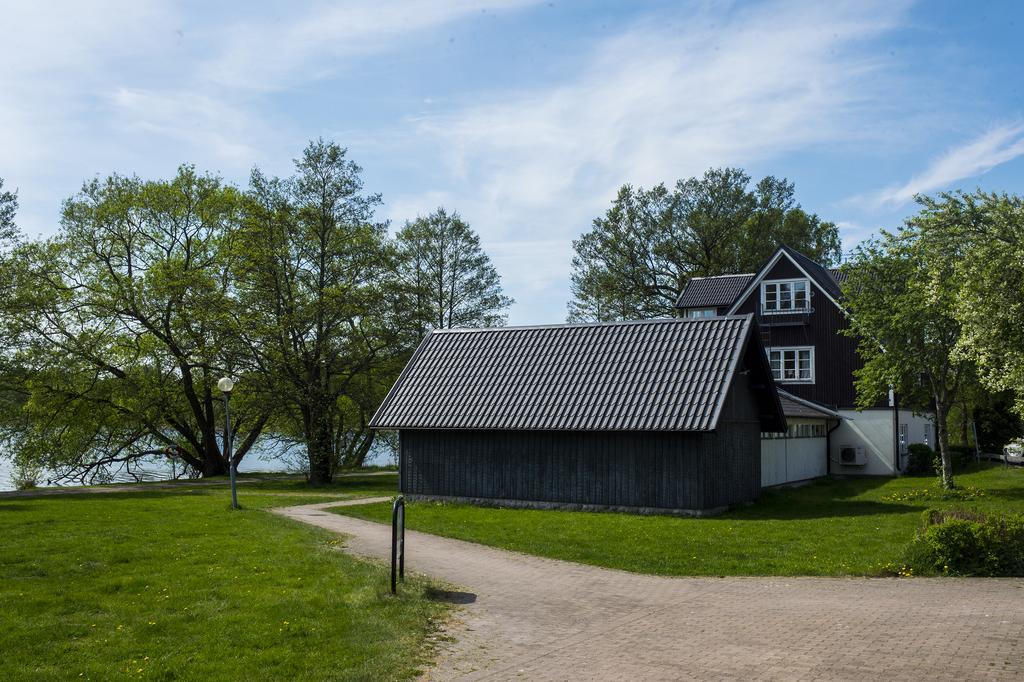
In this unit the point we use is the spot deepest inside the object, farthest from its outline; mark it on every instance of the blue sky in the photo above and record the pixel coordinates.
(524, 116)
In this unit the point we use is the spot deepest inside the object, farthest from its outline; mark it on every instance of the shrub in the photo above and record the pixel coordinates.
(962, 456)
(25, 476)
(959, 542)
(920, 459)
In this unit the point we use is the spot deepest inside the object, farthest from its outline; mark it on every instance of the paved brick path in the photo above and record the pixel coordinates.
(542, 619)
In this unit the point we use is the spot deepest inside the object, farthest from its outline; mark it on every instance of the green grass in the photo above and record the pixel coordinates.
(174, 585)
(833, 527)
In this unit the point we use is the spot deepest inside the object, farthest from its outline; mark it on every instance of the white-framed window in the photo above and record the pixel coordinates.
(701, 312)
(785, 295)
(792, 365)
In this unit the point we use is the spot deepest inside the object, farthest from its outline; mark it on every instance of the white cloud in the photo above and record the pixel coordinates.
(656, 103)
(139, 87)
(192, 121)
(265, 55)
(53, 67)
(996, 146)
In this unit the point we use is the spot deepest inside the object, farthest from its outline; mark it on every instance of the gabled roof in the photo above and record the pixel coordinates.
(654, 375)
(794, 406)
(823, 277)
(712, 292)
(820, 274)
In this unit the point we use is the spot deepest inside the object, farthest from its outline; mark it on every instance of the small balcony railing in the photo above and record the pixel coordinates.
(789, 318)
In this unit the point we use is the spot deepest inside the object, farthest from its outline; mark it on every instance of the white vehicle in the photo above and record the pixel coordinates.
(1013, 452)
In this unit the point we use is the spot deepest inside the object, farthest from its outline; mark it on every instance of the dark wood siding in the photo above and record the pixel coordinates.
(664, 470)
(835, 355)
(783, 269)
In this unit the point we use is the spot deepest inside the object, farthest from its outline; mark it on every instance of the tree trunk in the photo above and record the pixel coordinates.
(359, 448)
(214, 464)
(964, 423)
(942, 429)
(320, 448)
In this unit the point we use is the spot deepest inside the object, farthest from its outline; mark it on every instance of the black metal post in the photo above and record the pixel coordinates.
(228, 451)
(397, 543)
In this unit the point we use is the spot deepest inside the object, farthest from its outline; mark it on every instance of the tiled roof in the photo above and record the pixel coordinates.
(712, 292)
(793, 406)
(655, 375)
(838, 274)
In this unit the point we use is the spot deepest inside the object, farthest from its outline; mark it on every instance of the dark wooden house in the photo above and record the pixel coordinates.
(799, 309)
(659, 415)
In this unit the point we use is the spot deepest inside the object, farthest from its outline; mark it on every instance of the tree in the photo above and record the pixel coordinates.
(8, 209)
(120, 326)
(988, 229)
(901, 293)
(11, 399)
(638, 257)
(446, 279)
(312, 263)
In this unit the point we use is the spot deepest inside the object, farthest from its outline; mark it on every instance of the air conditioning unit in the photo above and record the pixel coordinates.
(850, 455)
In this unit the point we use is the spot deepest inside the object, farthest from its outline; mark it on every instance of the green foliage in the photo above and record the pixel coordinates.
(312, 269)
(997, 422)
(114, 332)
(446, 279)
(901, 292)
(961, 456)
(119, 326)
(8, 210)
(988, 229)
(958, 542)
(11, 399)
(923, 460)
(26, 475)
(638, 257)
(919, 459)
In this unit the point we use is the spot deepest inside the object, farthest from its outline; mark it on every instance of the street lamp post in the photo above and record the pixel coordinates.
(225, 385)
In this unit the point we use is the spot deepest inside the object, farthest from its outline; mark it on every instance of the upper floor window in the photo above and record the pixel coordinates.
(792, 364)
(701, 312)
(783, 296)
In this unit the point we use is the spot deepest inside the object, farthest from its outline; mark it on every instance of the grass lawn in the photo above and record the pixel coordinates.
(833, 527)
(174, 585)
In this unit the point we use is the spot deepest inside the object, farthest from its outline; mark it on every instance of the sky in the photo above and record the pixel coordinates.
(523, 116)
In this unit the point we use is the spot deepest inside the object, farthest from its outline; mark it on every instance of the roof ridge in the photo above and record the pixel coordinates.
(574, 325)
(738, 274)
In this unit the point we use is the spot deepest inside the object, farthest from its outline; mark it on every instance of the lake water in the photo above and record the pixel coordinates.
(159, 470)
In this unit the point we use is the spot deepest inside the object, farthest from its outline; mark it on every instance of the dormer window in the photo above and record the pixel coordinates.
(701, 312)
(785, 296)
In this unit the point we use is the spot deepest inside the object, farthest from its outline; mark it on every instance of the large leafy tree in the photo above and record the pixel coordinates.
(121, 325)
(901, 292)
(10, 396)
(988, 229)
(638, 257)
(312, 263)
(446, 278)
